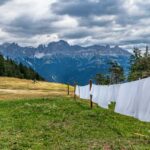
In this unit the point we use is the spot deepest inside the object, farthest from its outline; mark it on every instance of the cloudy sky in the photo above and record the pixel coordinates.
(84, 22)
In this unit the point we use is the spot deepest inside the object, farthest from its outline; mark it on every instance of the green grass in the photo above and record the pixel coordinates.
(64, 124)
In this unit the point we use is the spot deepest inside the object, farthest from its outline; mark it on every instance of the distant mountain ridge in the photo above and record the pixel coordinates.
(61, 62)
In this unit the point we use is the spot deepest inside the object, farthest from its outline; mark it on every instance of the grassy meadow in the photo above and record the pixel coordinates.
(41, 117)
(63, 123)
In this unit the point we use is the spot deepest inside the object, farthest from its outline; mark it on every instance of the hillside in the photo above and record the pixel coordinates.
(63, 63)
(56, 121)
(62, 123)
(10, 68)
(14, 88)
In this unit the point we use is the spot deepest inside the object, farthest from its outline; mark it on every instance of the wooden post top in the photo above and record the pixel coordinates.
(90, 84)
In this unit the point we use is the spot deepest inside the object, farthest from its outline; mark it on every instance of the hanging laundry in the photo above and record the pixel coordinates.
(142, 101)
(125, 103)
(77, 91)
(95, 92)
(132, 98)
(84, 92)
(100, 95)
(113, 92)
(103, 96)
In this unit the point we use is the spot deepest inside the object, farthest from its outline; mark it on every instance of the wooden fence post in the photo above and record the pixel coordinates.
(91, 103)
(68, 91)
(75, 84)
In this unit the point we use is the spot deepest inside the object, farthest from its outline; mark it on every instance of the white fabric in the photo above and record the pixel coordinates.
(132, 98)
(100, 95)
(116, 88)
(113, 92)
(142, 103)
(77, 92)
(125, 103)
(110, 93)
(103, 96)
(95, 92)
(84, 92)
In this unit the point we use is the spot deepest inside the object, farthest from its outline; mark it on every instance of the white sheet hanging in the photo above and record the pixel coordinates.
(100, 95)
(142, 105)
(84, 92)
(95, 93)
(113, 91)
(77, 92)
(103, 96)
(125, 103)
(132, 98)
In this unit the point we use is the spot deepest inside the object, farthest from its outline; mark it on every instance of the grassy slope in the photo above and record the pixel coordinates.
(61, 123)
(13, 88)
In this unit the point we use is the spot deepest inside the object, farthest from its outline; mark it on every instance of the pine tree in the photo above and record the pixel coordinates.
(140, 66)
(116, 73)
(2, 69)
(102, 79)
(11, 69)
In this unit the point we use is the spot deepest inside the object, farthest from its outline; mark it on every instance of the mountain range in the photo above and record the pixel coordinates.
(65, 63)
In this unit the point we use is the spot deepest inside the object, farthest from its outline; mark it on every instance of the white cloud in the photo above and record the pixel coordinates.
(66, 22)
(32, 22)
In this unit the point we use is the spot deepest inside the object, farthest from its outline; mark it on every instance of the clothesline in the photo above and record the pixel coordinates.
(131, 98)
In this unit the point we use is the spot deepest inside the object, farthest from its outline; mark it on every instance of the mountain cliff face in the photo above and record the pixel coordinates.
(61, 62)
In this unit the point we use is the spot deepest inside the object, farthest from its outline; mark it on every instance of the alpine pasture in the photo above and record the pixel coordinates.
(40, 116)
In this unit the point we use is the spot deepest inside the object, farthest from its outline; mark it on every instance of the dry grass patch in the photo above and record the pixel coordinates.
(13, 88)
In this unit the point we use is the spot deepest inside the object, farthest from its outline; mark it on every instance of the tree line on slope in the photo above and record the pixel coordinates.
(139, 68)
(10, 68)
